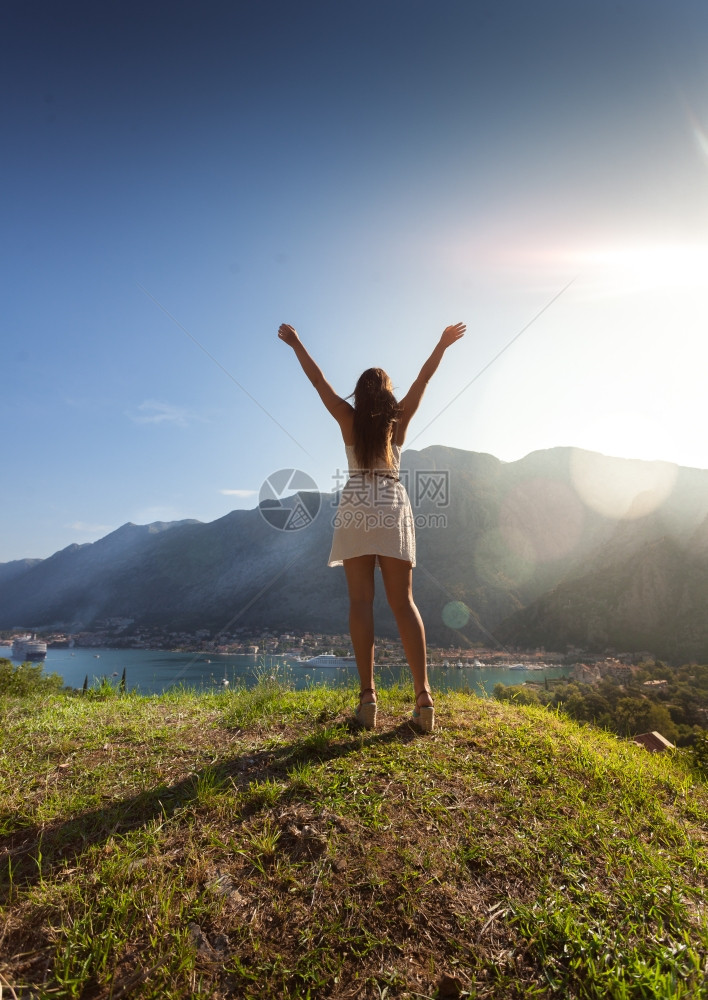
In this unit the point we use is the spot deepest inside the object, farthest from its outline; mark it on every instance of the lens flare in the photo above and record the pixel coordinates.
(699, 133)
(455, 614)
(621, 488)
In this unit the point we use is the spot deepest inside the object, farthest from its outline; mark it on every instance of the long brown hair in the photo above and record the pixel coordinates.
(375, 413)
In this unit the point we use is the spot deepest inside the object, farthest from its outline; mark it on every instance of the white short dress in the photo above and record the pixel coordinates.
(374, 516)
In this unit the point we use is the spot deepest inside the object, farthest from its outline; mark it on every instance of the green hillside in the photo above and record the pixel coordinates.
(254, 845)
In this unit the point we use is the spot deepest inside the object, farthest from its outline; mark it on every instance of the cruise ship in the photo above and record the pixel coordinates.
(27, 647)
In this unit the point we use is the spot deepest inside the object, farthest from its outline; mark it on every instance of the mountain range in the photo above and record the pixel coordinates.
(562, 548)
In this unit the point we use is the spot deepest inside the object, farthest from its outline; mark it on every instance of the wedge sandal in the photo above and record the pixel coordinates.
(365, 714)
(424, 715)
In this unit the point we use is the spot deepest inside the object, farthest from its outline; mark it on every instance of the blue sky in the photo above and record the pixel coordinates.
(180, 178)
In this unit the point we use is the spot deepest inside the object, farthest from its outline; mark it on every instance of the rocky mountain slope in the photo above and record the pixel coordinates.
(563, 546)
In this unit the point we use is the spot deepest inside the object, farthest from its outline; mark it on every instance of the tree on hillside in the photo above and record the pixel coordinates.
(639, 715)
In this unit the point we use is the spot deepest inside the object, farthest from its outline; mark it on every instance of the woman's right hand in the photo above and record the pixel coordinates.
(288, 334)
(452, 333)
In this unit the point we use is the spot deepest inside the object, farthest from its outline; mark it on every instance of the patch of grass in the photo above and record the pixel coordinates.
(596, 947)
(257, 844)
(260, 794)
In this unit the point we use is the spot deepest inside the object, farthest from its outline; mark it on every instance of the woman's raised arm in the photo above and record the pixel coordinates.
(337, 406)
(411, 401)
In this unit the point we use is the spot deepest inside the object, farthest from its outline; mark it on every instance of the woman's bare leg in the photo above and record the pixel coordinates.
(398, 581)
(360, 582)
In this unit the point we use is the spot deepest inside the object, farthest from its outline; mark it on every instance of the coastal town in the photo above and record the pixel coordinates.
(123, 633)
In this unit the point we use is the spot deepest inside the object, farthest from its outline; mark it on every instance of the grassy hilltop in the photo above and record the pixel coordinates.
(254, 845)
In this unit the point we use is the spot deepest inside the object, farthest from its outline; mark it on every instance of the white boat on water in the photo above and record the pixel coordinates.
(326, 660)
(27, 647)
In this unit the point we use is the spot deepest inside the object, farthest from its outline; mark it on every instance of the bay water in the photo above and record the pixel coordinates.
(155, 671)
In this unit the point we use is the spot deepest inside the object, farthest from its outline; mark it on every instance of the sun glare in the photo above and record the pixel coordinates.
(621, 489)
(699, 132)
(624, 433)
(645, 268)
(612, 268)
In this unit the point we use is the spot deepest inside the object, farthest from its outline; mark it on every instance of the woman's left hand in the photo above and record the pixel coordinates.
(288, 334)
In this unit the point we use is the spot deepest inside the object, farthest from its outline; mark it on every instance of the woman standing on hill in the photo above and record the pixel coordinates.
(374, 521)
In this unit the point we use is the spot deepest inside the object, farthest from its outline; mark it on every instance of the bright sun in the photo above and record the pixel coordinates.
(631, 269)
